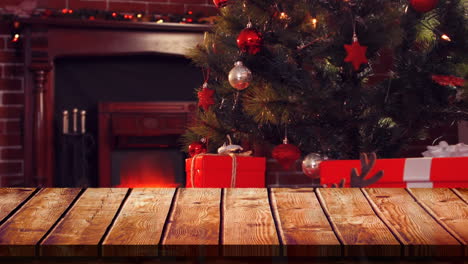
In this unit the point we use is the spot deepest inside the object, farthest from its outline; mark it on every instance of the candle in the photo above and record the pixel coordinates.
(75, 120)
(65, 122)
(83, 121)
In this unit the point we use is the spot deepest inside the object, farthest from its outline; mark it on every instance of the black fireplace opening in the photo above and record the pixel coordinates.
(83, 82)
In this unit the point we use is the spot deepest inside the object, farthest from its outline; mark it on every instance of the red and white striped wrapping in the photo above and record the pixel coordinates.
(411, 172)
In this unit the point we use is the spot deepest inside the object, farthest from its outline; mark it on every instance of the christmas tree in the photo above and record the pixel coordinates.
(337, 77)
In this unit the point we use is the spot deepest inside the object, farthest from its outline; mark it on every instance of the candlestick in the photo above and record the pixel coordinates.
(65, 122)
(83, 121)
(75, 120)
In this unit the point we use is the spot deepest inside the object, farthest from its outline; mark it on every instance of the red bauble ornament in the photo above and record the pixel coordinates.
(205, 97)
(448, 80)
(220, 3)
(356, 54)
(286, 154)
(196, 148)
(423, 6)
(250, 41)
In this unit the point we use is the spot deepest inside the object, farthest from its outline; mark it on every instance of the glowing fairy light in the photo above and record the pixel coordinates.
(283, 16)
(445, 37)
(314, 22)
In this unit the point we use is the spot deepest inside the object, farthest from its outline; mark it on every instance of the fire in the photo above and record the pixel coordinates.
(147, 170)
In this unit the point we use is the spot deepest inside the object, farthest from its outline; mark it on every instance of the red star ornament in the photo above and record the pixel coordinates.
(356, 54)
(205, 98)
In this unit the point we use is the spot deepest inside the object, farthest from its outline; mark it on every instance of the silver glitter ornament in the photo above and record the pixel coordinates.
(240, 76)
(310, 165)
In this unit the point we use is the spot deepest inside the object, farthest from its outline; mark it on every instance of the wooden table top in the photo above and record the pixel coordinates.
(233, 222)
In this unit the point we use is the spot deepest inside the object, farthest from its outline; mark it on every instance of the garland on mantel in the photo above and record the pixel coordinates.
(11, 15)
(95, 14)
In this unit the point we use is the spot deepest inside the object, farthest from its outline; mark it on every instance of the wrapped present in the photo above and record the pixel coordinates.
(410, 172)
(224, 171)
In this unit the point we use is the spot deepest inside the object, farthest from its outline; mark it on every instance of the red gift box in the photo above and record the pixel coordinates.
(411, 172)
(216, 171)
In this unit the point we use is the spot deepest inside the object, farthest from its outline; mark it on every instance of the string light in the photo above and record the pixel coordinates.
(445, 37)
(139, 15)
(160, 21)
(15, 38)
(314, 22)
(283, 16)
(114, 14)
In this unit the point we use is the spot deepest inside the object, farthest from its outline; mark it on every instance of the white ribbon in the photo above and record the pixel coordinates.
(417, 172)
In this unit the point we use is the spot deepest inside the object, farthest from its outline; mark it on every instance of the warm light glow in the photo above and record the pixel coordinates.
(445, 37)
(64, 11)
(160, 21)
(139, 16)
(70, 11)
(147, 170)
(283, 15)
(16, 38)
(189, 20)
(314, 22)
(114, 14)
(190, 12)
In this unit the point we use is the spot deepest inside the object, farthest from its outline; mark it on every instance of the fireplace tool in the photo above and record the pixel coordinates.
(76, 147)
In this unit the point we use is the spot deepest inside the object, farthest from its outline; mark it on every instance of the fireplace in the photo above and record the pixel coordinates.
(139, 143)
(48, 43)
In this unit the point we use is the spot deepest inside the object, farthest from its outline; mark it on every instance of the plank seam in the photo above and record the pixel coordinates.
(20, 205)
(70, 206)
(432, 214)
(382, 218)
(338, 235)
(457, 193)
(111, 224)
(380, 215)
(276, 220)
(221, 221)
(168, 221)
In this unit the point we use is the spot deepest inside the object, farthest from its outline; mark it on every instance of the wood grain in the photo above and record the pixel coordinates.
(144, 214)
(10, 198)
(80, 231)
(248, 225)
(193, 228)
(448, 209)
(420, 234)
(302, 224)
(22, 231)
(462, 193)
(355, 223)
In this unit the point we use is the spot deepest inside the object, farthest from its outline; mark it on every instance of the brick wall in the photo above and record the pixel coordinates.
(11, 71)
(11, 111)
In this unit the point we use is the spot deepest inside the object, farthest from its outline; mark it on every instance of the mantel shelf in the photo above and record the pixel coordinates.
(119, 25)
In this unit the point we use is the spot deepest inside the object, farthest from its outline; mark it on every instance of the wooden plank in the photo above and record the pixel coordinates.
(193, 228)
(302, 224)
(144, 213)
(462, 193)
(420, 234)
(360, 231)
(448, 209)
(80, 231)
(248, 228)
(10, 198)
(23, 230)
